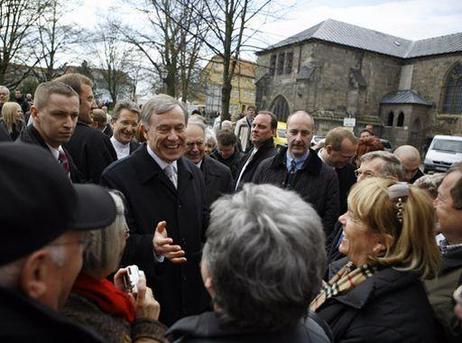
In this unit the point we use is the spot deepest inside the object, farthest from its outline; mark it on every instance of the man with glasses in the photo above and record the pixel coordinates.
(217, 176)
(41, 224)
(448, 208)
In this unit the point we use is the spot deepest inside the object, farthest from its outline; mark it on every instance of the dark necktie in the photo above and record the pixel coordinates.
(62, 159)
(291, 174)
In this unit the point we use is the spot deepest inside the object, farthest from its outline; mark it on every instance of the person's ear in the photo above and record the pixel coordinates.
(34, 274)
(34, 112)
(208, 283)
(144, 130)
(382, 243)
(328, 149)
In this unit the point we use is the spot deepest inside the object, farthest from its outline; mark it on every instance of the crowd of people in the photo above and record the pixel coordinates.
(233, 239)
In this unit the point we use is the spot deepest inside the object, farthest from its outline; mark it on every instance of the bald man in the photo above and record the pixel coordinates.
(217, 176)
(410, 160)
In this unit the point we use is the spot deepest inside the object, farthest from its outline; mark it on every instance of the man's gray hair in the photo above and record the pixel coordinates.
(106, 247)
(160, 104)
(390, 168)
(124, 105)
(4, 88)
(265, 255)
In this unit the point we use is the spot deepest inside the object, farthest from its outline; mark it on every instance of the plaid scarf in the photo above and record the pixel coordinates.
(346, 279)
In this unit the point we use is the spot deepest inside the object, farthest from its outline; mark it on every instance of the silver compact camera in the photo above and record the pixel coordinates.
(131, 279)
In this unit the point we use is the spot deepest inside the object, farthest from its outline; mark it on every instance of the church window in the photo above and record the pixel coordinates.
(391, 117)
(280, 108)
(289, 63)
(281, 63)
(400, 122)
(453, 91)
(272, 65)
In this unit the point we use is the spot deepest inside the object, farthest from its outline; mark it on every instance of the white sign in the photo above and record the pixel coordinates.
(349, 122)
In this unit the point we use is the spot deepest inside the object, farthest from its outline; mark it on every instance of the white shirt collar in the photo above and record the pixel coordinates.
(122, 150)
(55, 152)
(162, 164)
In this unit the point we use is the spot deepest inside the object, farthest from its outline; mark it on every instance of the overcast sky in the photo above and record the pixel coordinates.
(410, 19)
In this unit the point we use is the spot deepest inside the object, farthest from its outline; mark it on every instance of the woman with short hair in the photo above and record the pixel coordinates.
(375, 294)
(109, 309)
(261, 266)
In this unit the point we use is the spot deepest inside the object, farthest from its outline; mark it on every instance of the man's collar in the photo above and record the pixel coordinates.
(162, 164)
(322, 155)
(119, 144)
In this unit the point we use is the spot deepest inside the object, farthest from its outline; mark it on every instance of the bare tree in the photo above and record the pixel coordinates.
(53, 38)
(18, 20)
(173, 43)
(227, 21)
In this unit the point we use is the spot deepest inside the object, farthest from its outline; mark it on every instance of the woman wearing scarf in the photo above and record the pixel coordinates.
(375, 293)
(108, 308)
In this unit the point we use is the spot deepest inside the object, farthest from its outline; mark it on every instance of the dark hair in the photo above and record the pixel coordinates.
(226, 138)
(274, 119)
(336, 136)
(46, 89)
(366, 130)
(75, 80)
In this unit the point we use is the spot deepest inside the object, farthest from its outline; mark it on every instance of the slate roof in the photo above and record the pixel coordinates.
(404, 97)
(358, 37)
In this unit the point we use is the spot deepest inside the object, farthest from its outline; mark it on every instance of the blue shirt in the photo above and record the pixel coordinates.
(298, 162)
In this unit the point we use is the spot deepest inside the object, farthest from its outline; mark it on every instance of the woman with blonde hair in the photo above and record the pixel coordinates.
(375, 292)
(116, 313)
(12, 119)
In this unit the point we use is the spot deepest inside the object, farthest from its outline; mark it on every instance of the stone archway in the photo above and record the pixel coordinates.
(280, 107)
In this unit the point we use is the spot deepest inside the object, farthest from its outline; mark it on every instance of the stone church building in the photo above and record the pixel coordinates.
(409, 90)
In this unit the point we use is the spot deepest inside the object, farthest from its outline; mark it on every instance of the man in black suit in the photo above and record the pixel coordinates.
(164, 189)
(217, 176)
(54, 113)
(125, 118)
(91, 149)
(263, 130)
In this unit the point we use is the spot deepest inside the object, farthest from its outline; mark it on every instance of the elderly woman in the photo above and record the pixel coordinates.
(107, 308)
(261, 267)
(377, 296)
(12, 119)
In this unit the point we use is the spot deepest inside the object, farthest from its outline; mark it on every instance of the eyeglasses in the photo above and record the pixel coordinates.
(367, 173)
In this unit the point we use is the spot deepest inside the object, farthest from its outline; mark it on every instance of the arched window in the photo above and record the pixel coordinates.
(280, 108)
(400, 121)
(391, 117)
(453, 91)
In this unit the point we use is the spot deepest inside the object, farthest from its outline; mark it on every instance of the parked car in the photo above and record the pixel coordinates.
(281, 136)
(386, 144)
(443, 152)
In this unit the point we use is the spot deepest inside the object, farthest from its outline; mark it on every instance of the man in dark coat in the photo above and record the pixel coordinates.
(166, 190)
(91, 150)
(22, 101)
(298, 168)
(55, 114)
(217, 176)
(263, 130)
(339, 149)
(227, 152)
(411, 161)
(41, 223)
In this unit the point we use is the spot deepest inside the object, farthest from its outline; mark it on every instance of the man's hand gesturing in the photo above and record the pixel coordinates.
(163, 245)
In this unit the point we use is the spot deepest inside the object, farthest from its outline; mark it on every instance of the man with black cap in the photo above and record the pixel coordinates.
(41, 223)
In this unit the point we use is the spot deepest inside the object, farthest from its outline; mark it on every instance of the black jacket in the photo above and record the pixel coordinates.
(346, 179)
(4, 135)
(151, 198)
(218, 179)
(263, 152)
(208, 327)
(30, 135)
(91, 150)
(390, 306)
(232, 162)
(25, 320)
(316, 183)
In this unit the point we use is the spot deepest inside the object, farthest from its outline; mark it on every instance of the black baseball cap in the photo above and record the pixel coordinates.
(38, 203)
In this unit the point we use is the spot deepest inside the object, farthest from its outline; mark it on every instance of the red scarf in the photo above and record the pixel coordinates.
(106, 296)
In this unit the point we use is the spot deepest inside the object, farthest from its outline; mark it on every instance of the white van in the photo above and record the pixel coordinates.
(443, 152)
